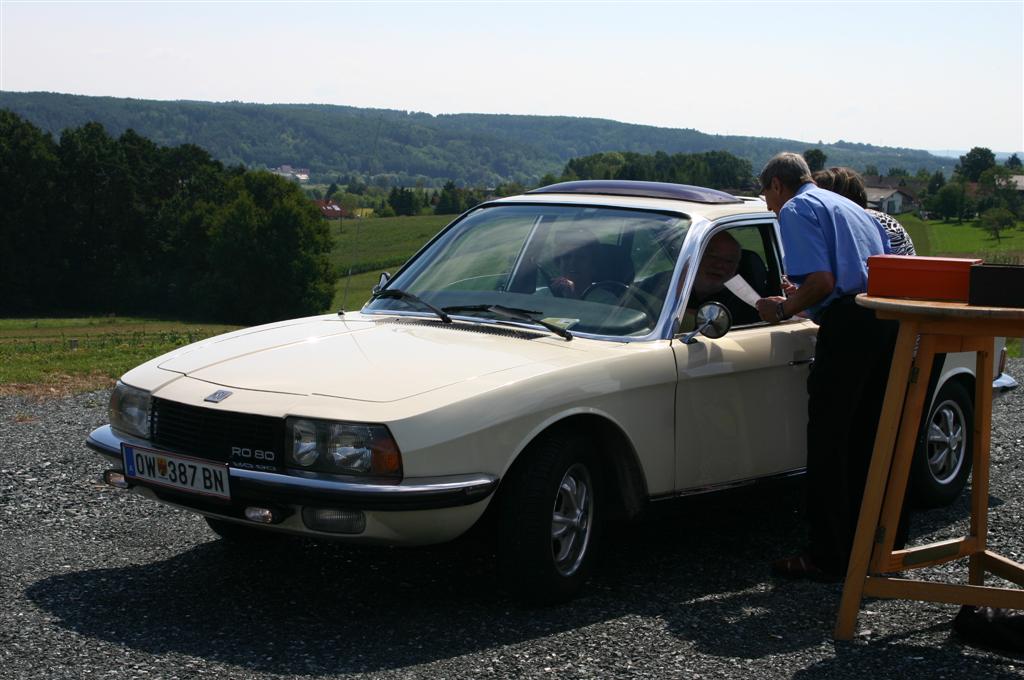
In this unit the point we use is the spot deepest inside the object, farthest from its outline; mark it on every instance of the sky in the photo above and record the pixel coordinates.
(924, 75)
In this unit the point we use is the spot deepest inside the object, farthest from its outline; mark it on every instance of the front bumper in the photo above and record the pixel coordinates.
(421, 493)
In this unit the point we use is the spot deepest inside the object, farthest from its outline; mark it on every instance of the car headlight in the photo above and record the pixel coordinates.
(129, 410)
(343, 448)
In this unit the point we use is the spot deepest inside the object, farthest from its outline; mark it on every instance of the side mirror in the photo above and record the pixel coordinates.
(713, 321)
(381, 282)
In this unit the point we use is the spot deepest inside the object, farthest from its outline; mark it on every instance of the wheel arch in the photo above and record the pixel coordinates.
(962, 376)
(620, 464)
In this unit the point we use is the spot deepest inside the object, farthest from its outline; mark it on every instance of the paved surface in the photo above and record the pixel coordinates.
(98, 583)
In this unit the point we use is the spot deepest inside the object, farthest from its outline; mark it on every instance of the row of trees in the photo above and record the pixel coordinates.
(714, 169)
(96, 224)
(981, 187)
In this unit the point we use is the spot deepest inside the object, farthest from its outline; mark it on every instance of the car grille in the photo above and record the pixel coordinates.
(213, 434)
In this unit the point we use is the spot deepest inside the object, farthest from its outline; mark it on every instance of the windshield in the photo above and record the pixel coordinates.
(592, 270)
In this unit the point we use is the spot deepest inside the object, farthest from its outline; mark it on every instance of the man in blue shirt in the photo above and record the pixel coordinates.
(826, 240)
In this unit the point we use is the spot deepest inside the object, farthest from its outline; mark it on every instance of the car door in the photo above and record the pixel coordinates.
(741, 400)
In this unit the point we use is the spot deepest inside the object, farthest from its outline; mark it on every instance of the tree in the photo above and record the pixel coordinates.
(995, 220)
(450, 201)
(30, 222)
(1013, 162)
(897, 172)
(974, 162)
(998, 189)
(871, 170)
(547, 179)
(404, 201)
(268, 253)
(815, 159)
(936, 182)
(950, 201)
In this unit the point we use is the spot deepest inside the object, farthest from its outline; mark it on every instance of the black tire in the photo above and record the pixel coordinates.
(556, 478)
(237, 534)
(943, 460)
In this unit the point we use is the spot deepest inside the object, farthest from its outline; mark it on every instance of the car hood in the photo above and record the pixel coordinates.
(368, 360)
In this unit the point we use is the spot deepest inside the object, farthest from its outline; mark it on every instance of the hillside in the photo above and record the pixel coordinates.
(474, 149)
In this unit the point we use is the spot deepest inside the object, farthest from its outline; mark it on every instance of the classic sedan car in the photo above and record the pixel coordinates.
(537, 365)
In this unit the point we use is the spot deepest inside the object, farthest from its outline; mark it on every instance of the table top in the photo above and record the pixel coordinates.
(935, 308)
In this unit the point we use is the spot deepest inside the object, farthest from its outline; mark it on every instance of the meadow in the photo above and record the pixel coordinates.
(61, 355)
(366, 247)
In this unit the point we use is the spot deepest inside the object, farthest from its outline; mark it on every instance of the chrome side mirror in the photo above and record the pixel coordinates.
(381, 282)
(713, 321)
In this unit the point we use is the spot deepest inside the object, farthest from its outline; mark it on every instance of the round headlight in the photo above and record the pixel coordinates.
(348, 448)
(304, 449)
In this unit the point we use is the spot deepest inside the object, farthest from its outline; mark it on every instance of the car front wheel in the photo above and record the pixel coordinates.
(943, 460)
(549, 520)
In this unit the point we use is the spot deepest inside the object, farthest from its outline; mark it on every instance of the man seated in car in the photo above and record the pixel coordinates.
(720, 262)
(575, 258)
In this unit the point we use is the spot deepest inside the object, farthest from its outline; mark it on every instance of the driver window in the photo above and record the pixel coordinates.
(733, 270)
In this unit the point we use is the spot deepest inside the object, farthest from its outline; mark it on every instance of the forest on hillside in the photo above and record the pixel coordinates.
(401, 148)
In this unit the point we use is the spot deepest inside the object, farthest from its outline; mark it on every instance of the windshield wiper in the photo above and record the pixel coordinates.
(399, 294)
(515, 314)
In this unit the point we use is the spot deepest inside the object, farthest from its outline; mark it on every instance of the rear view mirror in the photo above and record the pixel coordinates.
(384, 278)
(713, 321)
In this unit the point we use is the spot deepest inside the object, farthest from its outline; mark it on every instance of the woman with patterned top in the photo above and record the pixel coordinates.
(846, 182)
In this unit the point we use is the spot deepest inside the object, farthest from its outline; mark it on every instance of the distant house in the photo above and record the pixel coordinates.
(300, 175)
(330, 210)
(1018, 181)
(911, 185)
(890, 201)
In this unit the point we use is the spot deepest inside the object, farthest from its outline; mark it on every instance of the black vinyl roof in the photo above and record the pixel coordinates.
(623, 187)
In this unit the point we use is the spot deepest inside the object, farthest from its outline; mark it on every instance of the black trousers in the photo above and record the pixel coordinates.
(845, 390)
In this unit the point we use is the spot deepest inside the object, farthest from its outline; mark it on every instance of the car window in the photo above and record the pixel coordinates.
(592, 269)
(735, 268)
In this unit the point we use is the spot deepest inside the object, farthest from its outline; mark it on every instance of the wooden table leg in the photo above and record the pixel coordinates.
(903, 455)
(878, 473)
(980, 462)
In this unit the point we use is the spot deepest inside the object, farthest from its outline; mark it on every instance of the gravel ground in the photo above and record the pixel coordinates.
(100, 583)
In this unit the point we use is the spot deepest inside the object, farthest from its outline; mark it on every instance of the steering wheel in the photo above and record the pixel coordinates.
(617, 288)
(624, 295)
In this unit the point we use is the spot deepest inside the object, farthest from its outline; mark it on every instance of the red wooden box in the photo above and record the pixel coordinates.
(920, 278)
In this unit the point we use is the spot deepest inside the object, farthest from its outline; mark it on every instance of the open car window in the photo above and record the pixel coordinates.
(596, 270)
(737, 266)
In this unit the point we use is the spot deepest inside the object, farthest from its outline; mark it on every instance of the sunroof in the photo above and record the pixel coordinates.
(623, 187)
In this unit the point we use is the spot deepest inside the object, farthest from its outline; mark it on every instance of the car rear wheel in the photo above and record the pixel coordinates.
(943, 460)
(549, 520)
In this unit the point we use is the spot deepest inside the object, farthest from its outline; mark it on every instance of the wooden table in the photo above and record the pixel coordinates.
(942, 327)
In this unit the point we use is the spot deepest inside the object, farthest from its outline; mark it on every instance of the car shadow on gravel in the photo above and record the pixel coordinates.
(698, 568)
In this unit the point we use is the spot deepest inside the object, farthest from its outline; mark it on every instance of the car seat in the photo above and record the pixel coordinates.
(753, 271)
(613, 264)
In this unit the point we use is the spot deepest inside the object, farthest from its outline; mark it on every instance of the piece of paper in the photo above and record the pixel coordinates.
(739, 287)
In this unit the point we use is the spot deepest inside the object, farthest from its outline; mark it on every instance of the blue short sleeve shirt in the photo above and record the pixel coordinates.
(824, 232)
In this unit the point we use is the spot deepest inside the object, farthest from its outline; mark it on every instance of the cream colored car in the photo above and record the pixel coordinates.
(533, 366)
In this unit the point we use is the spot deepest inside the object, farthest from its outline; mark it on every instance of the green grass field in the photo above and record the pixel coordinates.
(370, 246)
(44, 356)
(936, 238)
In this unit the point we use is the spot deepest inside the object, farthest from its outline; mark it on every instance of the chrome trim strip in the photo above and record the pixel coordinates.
(711, 488)
(472, 484)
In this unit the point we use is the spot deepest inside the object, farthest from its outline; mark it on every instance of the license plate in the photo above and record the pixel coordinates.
(174, 471)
